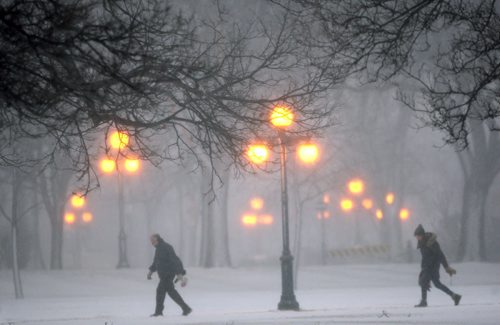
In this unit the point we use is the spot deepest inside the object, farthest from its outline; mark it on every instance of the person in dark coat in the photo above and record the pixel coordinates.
(432, 258)
(169, 268)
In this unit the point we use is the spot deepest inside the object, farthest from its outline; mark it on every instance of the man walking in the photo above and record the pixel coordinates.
(169, 267)
(432, 258)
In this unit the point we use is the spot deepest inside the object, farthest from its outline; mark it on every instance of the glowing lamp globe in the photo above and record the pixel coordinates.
(77, 201)
(282, 116)
(356, 186)
(346, 205)
(118, 140)
(308, 153)
(258, 153)
(132, 165)
(108, 165)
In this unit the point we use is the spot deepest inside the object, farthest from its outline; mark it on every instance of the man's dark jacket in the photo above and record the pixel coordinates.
(166, 262)
(432, 258)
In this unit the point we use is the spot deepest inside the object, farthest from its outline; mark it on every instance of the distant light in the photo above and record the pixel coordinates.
(404, 214)
(87, 217)
(257, 203)
(266, 219)
(326, 198)
(356, 186)
(108, 165)
(308, 153)
(282, 116)
(69, 218)
(367, 204)
(346, 205)
(389, 198)
(249, 220)
(77, 200)
(132, 165)
(326, 214)
(118, 140)
(379, 214)
(258, 153)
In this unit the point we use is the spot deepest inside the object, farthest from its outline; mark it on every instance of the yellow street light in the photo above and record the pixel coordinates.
(249, 220)
(69, 218)
(346, 205)
(356, 186)
(404, 214)
(367, 204)
(132, 165)
(308, 152)
(258, 153)
(257, 203)
(87, 217)
(108, 165)
(118, 140)
(282, 116)
(77, 201)
(266, 219)
(379, 214)
(389, 198)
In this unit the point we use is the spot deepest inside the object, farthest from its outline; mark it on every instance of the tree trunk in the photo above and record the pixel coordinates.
(18, 287)
(226, 254)
(207, 259)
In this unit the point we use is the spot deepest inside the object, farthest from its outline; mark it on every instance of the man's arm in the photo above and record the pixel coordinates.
(442, 258)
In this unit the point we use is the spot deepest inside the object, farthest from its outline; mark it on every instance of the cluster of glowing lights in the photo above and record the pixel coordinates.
(356, 186)
(258, 153)
(346, 205)
(282, 116)
(308, 153)
(324, 215)
(252, 220)
(404, 214)
(118, 140)
(108, 166)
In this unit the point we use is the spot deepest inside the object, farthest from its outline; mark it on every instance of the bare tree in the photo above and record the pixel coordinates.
(73, 69)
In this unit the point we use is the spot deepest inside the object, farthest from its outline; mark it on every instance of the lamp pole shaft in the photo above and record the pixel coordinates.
(122, 237)
(288, 301)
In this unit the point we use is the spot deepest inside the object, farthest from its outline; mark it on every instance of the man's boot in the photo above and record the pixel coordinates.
(423, 303)
(186, 310)
(456, 298)
(156, 314)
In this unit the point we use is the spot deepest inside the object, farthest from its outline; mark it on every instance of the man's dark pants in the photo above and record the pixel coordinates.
(425, 278)
(165, 286)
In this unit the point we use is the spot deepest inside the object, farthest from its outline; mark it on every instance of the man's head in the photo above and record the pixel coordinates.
(419, 232)
(155, 239)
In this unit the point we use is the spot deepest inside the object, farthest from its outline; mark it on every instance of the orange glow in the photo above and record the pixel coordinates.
(389, 198)
(108, 165)
(69, 218)
(87, 217)
(258, 153)
(249, 220)
(118, 140)
(77, 200)
(346, 205)
(326, 215)
(379, 214)
(326, 198)
(282, 116)
(132, 165)
(356, 186)
(367, 204)
(404, 214)
(308, 153)
(257, 203)
(266, 219)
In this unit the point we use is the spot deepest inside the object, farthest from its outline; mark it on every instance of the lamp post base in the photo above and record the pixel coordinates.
(288, 300)
(288, 303)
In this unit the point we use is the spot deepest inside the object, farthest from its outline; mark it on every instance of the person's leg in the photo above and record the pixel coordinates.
(437, 283)
(424, 282)
(161, 291)
(176, 297)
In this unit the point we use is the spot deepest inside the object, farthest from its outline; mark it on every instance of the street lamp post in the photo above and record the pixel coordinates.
(122, 237)
(288, 300)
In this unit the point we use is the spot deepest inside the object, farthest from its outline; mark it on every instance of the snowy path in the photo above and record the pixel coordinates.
(345, 294)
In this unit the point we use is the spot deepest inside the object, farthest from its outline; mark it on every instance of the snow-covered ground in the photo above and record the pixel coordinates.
(343, 294)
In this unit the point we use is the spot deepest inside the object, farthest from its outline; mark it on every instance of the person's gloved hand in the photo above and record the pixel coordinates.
(182, 279)
(451, 271)
(149, 275)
